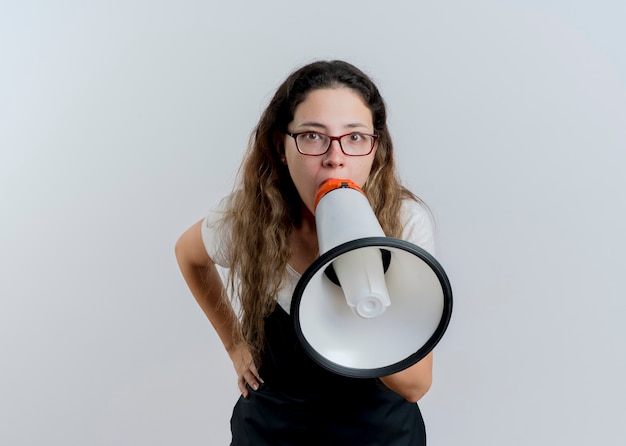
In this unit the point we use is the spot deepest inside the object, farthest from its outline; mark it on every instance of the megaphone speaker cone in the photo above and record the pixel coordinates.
(340, 340)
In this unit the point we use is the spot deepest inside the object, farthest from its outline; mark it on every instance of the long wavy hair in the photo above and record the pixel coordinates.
(265, 206)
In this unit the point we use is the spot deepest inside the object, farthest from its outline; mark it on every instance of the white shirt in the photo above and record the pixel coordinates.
(417, 223)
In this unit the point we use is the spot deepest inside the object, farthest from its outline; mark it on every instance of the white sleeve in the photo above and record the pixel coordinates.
(418, 225)
(215, 235)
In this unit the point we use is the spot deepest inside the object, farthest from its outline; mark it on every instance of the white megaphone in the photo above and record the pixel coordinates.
(370, 305)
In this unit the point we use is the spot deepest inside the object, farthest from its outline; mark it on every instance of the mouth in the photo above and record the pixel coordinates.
(326, 180)
(331, 184)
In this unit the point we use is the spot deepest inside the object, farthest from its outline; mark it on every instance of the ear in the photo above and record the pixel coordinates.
(281, 154)
(279, 143)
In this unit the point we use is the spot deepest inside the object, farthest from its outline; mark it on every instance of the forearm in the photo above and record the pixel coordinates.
(206, 285)
(413, 382)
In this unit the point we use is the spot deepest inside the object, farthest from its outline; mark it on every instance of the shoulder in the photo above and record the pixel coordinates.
(418, 224)
(216, 231)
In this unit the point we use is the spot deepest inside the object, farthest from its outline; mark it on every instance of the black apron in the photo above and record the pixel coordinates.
(302, 403)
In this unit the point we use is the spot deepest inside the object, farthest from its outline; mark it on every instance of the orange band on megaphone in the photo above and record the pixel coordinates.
(332, 184)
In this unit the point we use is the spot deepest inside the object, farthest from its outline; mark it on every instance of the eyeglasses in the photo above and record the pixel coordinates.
(351, 144)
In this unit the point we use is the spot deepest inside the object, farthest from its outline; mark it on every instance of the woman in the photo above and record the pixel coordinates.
(327, 120)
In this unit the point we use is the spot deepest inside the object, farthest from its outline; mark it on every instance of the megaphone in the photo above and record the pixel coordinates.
(370, 305)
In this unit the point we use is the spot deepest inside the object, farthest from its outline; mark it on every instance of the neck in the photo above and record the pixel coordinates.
(307, 224)
(304, 242)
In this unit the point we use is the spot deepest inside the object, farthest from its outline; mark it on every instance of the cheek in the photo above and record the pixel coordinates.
(301, 174)
(363, 172)
(292, 158)
(297, 166)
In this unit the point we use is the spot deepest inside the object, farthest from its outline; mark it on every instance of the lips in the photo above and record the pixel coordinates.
(333, 184)
(326, 180)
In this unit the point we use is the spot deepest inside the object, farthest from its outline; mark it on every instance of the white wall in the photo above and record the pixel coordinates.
(121, 122)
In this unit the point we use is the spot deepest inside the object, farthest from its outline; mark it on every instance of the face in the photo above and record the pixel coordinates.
(334, 112)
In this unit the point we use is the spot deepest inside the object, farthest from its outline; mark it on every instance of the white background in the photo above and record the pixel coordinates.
(122, 122)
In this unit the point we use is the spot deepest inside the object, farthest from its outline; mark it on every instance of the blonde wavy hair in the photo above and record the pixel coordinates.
(265, 207)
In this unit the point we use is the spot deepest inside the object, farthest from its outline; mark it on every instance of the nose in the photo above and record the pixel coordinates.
(334, 156)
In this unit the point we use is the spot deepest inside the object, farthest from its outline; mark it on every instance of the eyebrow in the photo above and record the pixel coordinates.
(319, 125)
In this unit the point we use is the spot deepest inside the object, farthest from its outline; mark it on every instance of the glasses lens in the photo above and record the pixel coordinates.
(357, 144)
(312, 143)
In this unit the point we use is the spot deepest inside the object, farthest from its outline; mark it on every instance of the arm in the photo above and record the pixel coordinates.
(412, 383)
(206, 286)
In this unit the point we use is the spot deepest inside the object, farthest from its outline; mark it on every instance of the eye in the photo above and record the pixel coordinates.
(311, 136)
(356, 137)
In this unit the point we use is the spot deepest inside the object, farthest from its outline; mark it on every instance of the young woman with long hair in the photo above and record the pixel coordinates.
(327, 120)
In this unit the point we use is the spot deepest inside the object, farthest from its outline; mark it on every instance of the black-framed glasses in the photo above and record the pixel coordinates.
(351, 144)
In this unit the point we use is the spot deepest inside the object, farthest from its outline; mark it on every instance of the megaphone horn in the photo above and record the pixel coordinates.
(339, 220)
(370, 305)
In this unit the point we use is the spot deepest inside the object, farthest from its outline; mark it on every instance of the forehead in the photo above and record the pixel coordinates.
(333, 105)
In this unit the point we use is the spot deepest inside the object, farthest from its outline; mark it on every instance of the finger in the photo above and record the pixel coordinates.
(241, 383)
(255, 372)
(251, 379)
